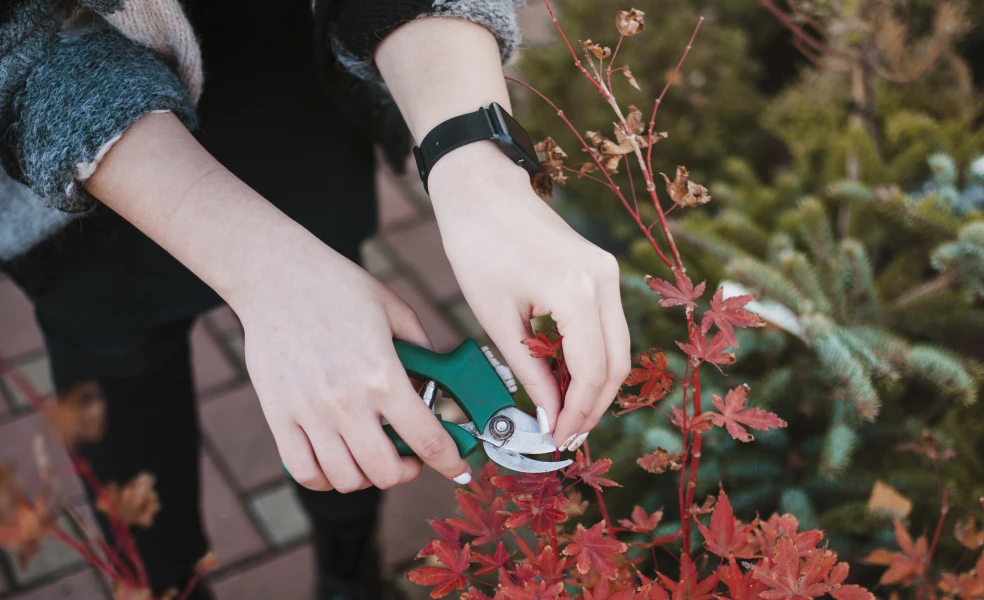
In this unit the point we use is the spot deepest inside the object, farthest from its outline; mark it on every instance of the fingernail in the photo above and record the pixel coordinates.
(542, 420)
(567, 443)
(463, 479)
(580, 440)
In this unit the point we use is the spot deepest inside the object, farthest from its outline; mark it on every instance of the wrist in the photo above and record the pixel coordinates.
(477, 164)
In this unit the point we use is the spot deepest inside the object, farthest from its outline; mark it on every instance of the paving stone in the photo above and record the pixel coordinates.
(234, 423)
(211, 366)
(17, 448)
(394, 206)
(419, 248)
(236, 343)
(442, 334)
(280, 515)
(466, 319)
(289, 575)
(52, 559)
(406, 510)
(229, 528)
(224, 319)
(37, 372)
(20, 332)
(83, 585)
(376, 259)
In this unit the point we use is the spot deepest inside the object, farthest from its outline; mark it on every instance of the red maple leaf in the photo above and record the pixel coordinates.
(660, 461)
(601, 592)
(529, 483)
(713, 352)
(651, 373)
(651, 589)
(701, 422)
(550, 565)
(835, 579)
(734, 415)
(485, 525)
(641, 522)
(539, 512)
(592, 549)
(629, 403)
(482, 486)
(531, 590)
(590, 474)
(726, 536)
(966, 586)
(788, 578)
(541, 346)
(768, 533)
(903, 567)
(491, 564)
(682, 294)
(448, 578)
(446, 532)
(690, 587)
(741, 585)
(730, 313)
(473, 594)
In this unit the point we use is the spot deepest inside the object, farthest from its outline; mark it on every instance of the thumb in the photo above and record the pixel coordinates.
(533, 373)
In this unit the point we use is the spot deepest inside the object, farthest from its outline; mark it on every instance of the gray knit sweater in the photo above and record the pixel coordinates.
(75, 74)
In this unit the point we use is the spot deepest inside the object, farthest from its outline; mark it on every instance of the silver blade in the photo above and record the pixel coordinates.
(518, 462)
(519, 441)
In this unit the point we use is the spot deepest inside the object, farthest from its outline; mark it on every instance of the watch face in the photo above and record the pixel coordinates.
(514, 130)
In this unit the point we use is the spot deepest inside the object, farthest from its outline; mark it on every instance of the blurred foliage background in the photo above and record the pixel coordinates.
(848, 188)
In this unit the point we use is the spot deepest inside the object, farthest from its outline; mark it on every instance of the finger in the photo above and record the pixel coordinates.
(405, 324)
(418, 427)
(337, 463)
(618, 348)
(534, 373)
(375, 453)
(299, 459)
(584, 351)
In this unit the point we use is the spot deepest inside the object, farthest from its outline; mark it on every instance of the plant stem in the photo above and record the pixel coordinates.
(694, 454)
(598, 495)
(577, 61)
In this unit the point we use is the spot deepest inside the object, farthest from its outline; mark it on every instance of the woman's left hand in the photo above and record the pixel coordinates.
(516, 259)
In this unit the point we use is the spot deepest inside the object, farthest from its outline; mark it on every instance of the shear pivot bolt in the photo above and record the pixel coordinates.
(501, 428)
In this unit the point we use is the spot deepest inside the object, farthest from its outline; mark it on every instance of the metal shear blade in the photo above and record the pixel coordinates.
(523, 464)
(511, 434)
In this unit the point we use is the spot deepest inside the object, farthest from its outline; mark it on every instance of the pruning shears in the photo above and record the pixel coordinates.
(481, 387)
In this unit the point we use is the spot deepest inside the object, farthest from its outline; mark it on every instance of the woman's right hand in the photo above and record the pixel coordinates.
(319, 349)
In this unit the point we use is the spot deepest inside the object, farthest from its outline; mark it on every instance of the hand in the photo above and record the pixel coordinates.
(515, 258)
(319, 349)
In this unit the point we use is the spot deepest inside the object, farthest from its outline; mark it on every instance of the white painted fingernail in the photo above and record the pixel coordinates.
(463, 479)
(580, 440)
(567, 443)
(541, 419)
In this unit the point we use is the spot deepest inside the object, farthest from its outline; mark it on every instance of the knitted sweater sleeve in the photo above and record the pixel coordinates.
(78, 96)
(357, 27)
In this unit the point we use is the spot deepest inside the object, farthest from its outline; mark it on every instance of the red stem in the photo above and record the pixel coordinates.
(669, 82)
(580, 174)
(944, 510)
(615, 188)
(611, 61)
(684, 454)
(694, 455)
(80, 549)
(577, 61)
(598, 495)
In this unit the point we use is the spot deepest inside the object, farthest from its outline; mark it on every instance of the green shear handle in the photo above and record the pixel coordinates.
(467, 376)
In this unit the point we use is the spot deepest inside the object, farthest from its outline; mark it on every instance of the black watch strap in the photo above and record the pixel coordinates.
(453, 133)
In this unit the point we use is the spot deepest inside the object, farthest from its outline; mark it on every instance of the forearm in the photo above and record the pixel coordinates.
(438, 68)
(162, 181)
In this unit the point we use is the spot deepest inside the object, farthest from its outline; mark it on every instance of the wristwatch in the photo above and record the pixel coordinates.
(491, 123)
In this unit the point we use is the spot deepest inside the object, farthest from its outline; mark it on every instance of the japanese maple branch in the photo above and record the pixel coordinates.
(598, 495)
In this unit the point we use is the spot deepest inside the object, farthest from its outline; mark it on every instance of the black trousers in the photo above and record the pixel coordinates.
(115, 308)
